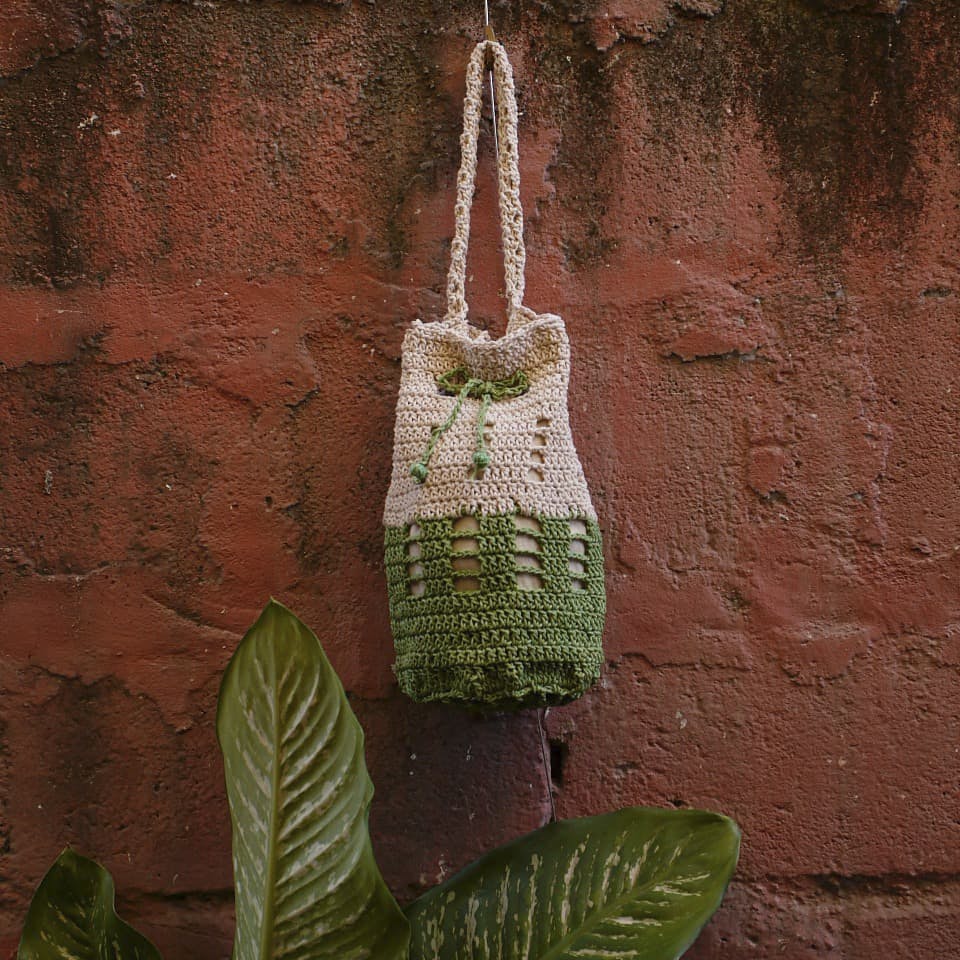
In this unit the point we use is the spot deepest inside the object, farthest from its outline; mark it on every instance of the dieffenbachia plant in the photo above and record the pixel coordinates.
(72, 915)
(637, 884)
(306, 882)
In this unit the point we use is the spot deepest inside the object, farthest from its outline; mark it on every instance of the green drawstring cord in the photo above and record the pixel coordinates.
(459, 383)
(481, 457)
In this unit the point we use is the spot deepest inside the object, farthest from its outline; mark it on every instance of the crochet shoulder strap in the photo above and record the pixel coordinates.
(508, 171)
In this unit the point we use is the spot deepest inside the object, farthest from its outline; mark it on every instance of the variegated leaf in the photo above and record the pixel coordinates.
(638, 884)
(306, 883)
(71, 917)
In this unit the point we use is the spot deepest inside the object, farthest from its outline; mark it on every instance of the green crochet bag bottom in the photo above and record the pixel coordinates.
(496, 612)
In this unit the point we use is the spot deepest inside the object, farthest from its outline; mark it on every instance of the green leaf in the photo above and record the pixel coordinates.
(71, 917)
(638, 884)
(306, 882)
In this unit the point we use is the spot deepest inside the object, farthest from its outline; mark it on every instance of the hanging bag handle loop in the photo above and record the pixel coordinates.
(508, 175)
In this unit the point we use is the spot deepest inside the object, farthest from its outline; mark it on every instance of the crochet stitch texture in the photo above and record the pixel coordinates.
(500, 645)
(494, 558)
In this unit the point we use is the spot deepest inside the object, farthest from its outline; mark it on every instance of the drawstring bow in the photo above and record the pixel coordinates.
(459, 383)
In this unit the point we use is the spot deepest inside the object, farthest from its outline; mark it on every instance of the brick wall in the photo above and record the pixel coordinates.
(216, 220)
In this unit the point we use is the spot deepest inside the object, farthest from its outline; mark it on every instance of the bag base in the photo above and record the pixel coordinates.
(527, 632)
(499, 686)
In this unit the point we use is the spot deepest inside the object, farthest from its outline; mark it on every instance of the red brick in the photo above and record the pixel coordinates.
(216, 222)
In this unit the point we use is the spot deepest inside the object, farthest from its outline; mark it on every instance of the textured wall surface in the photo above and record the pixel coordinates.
(216, 220)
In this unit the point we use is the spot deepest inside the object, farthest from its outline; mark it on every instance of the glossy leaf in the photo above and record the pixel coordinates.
(306, 883)
(71, 917)
(638, 884)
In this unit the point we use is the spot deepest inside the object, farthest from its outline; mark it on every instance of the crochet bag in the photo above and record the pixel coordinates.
(493, 555)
